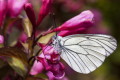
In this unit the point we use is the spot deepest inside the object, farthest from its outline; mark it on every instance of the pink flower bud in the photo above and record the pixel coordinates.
(3, 10)
(45, 9)
(1, 39)
(23, 37)
(15, 7)
(83, 20)
(30, 13)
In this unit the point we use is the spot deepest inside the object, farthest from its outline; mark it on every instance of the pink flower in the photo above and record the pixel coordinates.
(52, 62)
(3, 10)
(52, 75)
(45, 9)
(1, 39)
(50, 59)
(55, 69)
(15, 7)
(50, 53)
(75, 25)
(83, 20)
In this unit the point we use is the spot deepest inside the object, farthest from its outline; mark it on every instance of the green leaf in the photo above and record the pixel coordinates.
(42, 75)
(35, 78)
(16, 58)
(27, 26)
(45, 39)
(13, 37)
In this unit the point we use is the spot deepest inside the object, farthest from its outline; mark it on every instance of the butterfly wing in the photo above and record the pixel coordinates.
(85, 52)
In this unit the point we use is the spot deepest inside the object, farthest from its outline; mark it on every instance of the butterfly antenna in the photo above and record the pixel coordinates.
(52, 15)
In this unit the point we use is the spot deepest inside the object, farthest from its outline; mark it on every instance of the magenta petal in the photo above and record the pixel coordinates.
(1, 39)
(23, 37)
(44, 62)
(60, 76)
(15, 7)
(50, 75)
(67, 32)
(58, 70)
(3, 10)
(36, 68)
(45, 9)
(83, 20)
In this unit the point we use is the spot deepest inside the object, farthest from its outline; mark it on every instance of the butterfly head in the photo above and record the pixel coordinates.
(57, 43)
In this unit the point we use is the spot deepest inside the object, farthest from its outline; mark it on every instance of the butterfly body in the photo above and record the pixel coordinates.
(85, 52)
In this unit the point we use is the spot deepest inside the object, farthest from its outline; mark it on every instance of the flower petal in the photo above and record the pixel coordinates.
(15, 7)
(67, 32)
(45, 9)
(36, 68)
(3, 10)
(1, 39)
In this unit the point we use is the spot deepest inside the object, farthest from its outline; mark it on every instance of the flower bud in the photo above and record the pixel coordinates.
(45, 9)
(30, 13)
(83, 20)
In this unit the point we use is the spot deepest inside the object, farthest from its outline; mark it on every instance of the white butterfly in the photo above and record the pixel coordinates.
(85, 52)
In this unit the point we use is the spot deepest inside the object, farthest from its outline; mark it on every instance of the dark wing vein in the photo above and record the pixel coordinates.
(94, 55)
(85, 54)
(105, 40)
(93, 51)
(73, 59)
(106, 45)
(88, 58)
(67, 56)
(94, 35)
(79, 58)
(102, 47)
(91, 54)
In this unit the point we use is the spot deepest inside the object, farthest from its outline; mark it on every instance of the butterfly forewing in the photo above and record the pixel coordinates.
(85, 52)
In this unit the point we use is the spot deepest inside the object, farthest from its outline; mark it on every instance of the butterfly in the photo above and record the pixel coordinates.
(84, 52)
